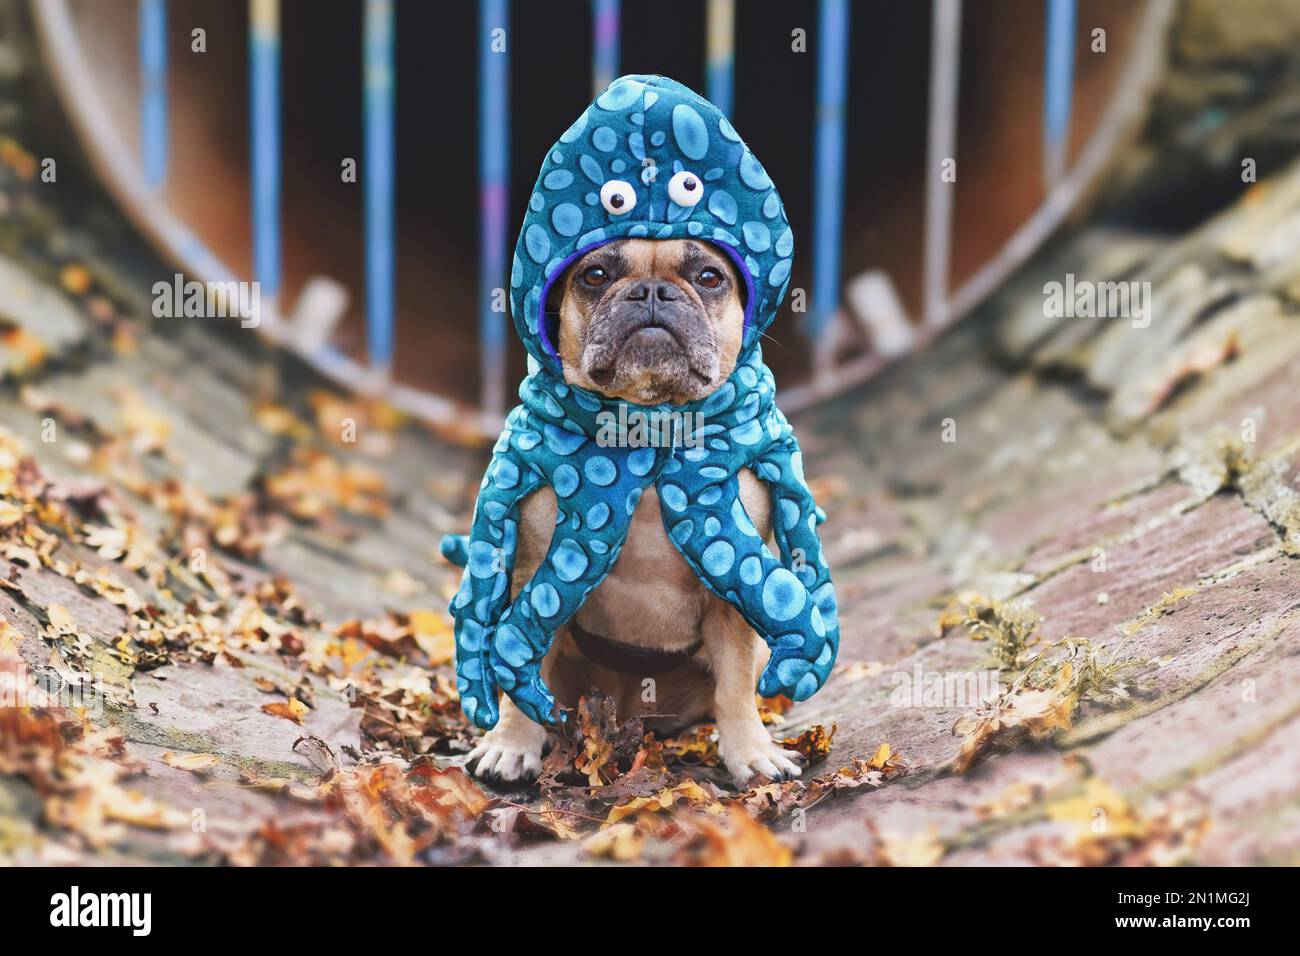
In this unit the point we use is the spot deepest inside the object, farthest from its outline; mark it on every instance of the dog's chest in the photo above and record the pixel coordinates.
(651, 597)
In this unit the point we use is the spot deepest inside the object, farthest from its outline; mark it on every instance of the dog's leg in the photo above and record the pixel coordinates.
(743, 742)
(512, 750)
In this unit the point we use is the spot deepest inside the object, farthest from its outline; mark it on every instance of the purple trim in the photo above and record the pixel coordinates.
(546, 293)
(544, 336)
(743, 271)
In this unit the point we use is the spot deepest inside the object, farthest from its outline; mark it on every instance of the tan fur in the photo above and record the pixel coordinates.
(650, 598)
(661, 259)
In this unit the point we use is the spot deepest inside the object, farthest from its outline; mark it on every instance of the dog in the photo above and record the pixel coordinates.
(649, 322)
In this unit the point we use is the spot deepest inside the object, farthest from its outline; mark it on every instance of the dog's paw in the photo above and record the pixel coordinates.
(751, 751)
(509, 754)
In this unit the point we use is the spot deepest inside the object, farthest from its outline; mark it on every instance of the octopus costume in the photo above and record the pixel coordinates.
(652, 159)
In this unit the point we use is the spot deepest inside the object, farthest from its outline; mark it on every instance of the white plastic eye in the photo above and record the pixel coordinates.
(685, 189)
(617, 197)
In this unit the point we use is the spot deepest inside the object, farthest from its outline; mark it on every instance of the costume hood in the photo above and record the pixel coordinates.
(650, 159)
(630, 143)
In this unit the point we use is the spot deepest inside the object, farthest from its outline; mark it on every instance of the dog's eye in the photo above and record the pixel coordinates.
(617, 197)
(685, 189)
(709, 278)
(595, 276)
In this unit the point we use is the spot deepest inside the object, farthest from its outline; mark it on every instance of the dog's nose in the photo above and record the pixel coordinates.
(662, 291)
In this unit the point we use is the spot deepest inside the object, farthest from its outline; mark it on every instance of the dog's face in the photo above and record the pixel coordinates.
(650, 321)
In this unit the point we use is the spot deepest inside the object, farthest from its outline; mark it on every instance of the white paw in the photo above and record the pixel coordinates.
(751, 751)
(509, 754)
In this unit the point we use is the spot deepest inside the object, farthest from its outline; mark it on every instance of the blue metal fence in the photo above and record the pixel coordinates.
(830, 46)
(153, 90)
(494, 191)
(1058, 85)
(721, 45)
(380, 175)
(264, 108)
(605, 26)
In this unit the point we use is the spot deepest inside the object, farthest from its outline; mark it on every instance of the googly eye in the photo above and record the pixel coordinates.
(685, 189)
(617, 197)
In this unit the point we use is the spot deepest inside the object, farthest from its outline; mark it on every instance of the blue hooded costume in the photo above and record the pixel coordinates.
(649, 158)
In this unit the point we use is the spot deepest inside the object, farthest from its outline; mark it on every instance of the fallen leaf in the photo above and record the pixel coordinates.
(194, 763)
(75, 279)
(734, 840)
(854, 671)
(292, 709)
(814, 743)
(916, 849)
(147, 429)
(318, 754)
(10, 514)
(61, 622)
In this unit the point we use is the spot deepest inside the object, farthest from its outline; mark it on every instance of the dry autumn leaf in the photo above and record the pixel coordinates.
(854, 671)
(1095, 808)
(1105, 829)
(10, 514)
(315, 484)
(20, 350)
(1018, 713)
(914, 849)
(621, 842)
(75, 278)
(698, 746)
(884, 754)
(194, 763)
(61, 621)
(279, 420)
(292, 709)
(318, 754)
(7, 645)
(734, 840)
(434, 634)
(814, 743)
(685, 794)
(147, 429)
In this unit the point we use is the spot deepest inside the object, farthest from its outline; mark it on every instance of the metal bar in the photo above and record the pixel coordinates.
(1123, 115)
(945, 63)
(264, 90)
(378, 93)
(828, 166)
(604, 51)
(721, 65)
(152, 25)
(1058, 87)
(494, 186)
(110, 157)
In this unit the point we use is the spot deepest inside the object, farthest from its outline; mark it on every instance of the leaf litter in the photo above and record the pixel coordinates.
(608, 785)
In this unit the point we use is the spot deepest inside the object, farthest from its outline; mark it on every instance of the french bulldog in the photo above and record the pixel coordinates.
(649, 322)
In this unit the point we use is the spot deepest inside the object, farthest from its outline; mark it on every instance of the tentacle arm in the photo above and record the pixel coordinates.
(789, 601)
(574, 565)
(795, 520)
(488, 557)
